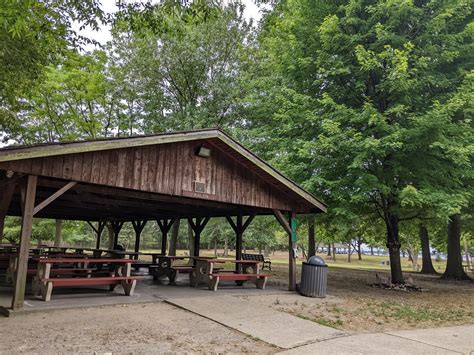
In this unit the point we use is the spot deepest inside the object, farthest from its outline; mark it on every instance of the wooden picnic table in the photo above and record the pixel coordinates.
(118, 274)
(165, 266)
(205, 272)
(33, 258)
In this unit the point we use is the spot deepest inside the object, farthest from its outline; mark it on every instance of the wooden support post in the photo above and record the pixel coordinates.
(100, 228)
(165, 226)
(5, 199)
(197, 228)
(290, 228)
(138, 228)
(238, 240)
(98, 231)
(239, 228)
(293, 249)
(26, 226)
(116, 227)
(197, 238)
(57, 238)
(164, 242)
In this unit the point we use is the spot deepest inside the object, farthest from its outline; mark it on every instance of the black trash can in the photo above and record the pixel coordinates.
(314, 276)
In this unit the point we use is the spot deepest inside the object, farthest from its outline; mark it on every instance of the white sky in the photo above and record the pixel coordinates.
(251, 11)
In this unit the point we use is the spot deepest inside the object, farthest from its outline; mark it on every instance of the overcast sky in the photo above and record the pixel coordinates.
(252, 11)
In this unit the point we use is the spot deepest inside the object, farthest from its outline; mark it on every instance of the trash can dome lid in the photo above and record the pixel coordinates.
(316, 260)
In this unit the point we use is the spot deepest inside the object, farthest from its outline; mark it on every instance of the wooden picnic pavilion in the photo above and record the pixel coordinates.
(193, 175)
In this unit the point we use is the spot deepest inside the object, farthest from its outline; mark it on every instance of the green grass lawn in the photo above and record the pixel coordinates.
(368, 262)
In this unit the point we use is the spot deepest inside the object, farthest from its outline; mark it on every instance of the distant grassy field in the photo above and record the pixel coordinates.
(368, 262)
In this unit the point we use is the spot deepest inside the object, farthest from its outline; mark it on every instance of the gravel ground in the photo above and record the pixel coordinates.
(144, 328)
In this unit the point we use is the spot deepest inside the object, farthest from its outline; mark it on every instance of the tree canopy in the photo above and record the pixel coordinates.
(366, 103)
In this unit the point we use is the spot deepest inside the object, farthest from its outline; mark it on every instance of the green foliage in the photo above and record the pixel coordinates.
(73, 101)
(377, 116)
(35, 34)
(366, 103)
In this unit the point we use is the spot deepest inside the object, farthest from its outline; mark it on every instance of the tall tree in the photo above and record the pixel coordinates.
(34, 35)
(187, 60)
(75, 101)
(361, 124)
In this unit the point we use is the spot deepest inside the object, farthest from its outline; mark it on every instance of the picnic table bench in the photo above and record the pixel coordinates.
(165, 266)
(258, 257)
(32, 263)
(119, 274)
(206, 273)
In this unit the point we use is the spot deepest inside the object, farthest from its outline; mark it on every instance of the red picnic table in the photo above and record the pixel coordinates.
(165, 265)
(119, 273)
(207, 273)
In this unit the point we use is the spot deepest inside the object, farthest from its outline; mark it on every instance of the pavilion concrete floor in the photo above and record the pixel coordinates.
(282, 330)
(146, 291)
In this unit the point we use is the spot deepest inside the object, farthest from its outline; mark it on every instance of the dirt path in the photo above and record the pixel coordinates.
(145, 328)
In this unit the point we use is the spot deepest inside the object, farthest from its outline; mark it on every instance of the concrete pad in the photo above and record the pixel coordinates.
(280, 329)
(368, 344)
(146, 291)
(460, 338)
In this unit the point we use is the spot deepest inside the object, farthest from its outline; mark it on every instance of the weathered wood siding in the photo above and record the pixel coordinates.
(169, 169)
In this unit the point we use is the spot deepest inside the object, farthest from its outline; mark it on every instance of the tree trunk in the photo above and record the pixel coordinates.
(190, 239)
(311, 239)
(174, 238)
(303, 251)
(226, 248)
(333, 252)
(57, 238)
(371, 250)
(110, 233)
(359, 245)
(2, 226)
(349, 252)
(393, 245)
(454, 268)
(329, 249)
(466, 253)
(266, 251)
(427, 264)
(415, 260)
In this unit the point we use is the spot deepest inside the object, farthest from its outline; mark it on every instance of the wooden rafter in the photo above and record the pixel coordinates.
(54, 196)
(242, 226)
(165, 224)
(199, 225)
(100, 227)
(284, 223)
(139, 225)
